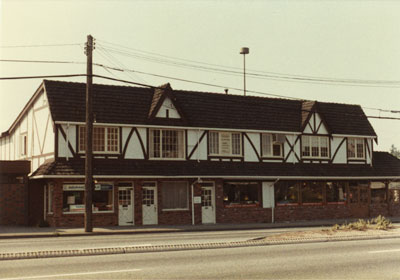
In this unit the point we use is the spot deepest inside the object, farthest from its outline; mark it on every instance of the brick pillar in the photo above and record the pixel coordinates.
(138, 203)
(197, 206)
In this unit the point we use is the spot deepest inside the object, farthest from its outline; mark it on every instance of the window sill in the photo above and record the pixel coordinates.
(177, 209)
(336, 203)
(253, 205)
(82, 212)
(180, 159)
(312, 204)
(287, 204)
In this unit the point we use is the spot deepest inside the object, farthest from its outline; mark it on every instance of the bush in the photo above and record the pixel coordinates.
(379, 222)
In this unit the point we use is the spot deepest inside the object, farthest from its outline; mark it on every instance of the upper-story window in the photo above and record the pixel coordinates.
(314, 146)
(355, 148)
(105, 139)
(23, 144)
(272, 145)
(167, 143)
(225, 143)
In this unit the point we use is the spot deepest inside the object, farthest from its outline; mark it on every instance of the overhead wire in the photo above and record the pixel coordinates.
(280, 77)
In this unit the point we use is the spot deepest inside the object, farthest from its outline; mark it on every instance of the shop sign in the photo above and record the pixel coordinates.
(394, 185)
(81, 187)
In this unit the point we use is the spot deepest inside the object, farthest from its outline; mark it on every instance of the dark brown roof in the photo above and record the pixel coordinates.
(384, 165)
(132, 105)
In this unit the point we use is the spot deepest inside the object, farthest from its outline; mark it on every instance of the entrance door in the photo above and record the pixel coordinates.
(358, 198)
(125, 206)
(208, 203)
(149, 204)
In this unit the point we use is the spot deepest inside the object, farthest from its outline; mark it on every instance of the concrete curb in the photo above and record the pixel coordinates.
(180, 247)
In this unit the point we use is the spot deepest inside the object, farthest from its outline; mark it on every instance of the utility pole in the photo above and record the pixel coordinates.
(89, 138)
(244, 51)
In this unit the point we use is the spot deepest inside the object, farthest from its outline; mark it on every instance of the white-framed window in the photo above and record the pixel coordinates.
(166, 144)
(175, 195)
(105, 139)
(272, 145)
(314, 146)
(355, 148)
(225, 143)
(48, 195)
(74, 198)
(23, 144)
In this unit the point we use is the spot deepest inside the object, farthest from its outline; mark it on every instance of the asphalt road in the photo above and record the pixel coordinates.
(371, 259)
(108, 241)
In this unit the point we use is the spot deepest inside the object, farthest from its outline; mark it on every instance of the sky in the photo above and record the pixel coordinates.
(331, 51)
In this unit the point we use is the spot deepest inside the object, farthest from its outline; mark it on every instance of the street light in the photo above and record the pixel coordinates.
(244, 51)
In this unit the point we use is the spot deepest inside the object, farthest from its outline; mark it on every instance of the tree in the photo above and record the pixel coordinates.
(394, 151)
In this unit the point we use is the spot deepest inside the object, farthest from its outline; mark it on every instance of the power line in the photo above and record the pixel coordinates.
(42, 61)
(42, 77)
(40, 45)
(277, 76)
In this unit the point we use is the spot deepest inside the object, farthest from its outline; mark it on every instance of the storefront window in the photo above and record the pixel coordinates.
(335, 192)
(74, 198)
(378, 193)
(287, 193)
(241, 193)
(175, 195)
(312, 192)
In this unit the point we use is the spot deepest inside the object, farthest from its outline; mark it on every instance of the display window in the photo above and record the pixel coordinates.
(74, 198)
(240, 194)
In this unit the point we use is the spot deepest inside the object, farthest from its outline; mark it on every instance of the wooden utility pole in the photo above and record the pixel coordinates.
(89, 138)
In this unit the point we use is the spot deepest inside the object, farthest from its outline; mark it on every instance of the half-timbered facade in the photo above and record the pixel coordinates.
(164, 156)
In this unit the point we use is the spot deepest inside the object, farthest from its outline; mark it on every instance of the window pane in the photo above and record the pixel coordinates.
(169, 144)
(73, 201)
(98, 139)
(277, 149)
(351, 149)
(103, 200)
(236, 147)
(266, 145)
(335, 192)
(360, 148)
(305, 146)
(82, 138)
(241, 193)
(226, 143)
(214, 143)
(175, 195)
(312, 192)
(287, 192)
(324, 146)
(314, 146)
(155, 143)
(112, 139)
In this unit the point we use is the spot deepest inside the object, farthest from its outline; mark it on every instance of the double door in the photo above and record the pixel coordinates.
(359, 200)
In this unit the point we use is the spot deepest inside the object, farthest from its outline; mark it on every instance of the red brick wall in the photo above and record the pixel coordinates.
(13, 204)
(36, 189)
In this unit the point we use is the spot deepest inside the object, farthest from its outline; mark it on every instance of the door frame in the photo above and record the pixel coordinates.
(360, 209)
(132, 201)
(152, 185)
(213, 200)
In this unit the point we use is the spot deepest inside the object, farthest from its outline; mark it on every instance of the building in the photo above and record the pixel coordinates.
(164, 156)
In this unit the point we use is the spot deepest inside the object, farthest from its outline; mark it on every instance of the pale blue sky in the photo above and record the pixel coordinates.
(333, 39)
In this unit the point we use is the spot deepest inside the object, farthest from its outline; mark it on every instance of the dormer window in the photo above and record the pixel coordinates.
(314, 146)
(355, 148)
(272, 145)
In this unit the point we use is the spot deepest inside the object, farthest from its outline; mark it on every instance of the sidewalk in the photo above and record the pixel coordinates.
(32, 232)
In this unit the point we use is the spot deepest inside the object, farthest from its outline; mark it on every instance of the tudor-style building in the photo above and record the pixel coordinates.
(164, 156)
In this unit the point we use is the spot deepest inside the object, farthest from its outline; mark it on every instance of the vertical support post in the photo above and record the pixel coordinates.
(244, 74)
(89, 136)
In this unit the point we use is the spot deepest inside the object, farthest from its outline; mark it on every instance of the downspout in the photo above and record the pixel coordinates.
(66, 142)
(192, 187)
(198, 146)
(273, 206)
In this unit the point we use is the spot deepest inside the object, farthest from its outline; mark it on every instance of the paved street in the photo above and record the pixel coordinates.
(124, 240)
(371, 259)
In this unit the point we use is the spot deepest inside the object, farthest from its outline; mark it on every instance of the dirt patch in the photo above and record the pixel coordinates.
(329, 233)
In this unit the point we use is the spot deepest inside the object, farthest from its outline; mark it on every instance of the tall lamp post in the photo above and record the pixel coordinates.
(244, 51)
